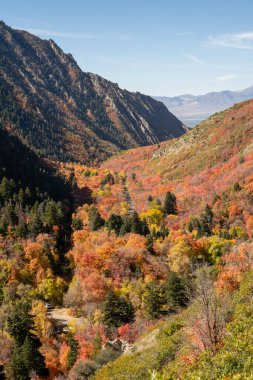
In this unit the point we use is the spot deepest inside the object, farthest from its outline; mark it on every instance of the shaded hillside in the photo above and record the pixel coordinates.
(19, 163)
(66, 114)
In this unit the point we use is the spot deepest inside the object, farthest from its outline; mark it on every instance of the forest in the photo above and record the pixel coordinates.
(148, 257)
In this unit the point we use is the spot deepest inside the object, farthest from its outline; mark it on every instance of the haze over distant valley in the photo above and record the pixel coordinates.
(192, 109)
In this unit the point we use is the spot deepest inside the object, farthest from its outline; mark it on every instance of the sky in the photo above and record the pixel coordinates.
(157, 47)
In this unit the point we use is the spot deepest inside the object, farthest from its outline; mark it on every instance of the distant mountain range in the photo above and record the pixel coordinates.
(192, 109)
(66, 114)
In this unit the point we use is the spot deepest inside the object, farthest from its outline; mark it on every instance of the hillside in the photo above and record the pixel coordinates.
(206, 161)
(69, 115)
(193, 109)
(211, 165)
(21, 164)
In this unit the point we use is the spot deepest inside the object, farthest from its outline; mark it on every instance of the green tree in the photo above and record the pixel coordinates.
(21, 229)
(175, 291)
(170, 204)
(73, 353)
(77, 224)
(117, 311)
(154, 299)
(114, 223)
(35, 224)
(206, 221)
(137, 226)
(95, 219)
(26, 356)
(150, 243)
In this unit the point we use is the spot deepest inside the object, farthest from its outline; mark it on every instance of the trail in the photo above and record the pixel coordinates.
(128, 197)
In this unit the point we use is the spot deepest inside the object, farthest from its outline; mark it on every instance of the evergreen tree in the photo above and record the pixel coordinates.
(175, 291)
(72, 354)
(26, 356)
(117, 311)
(19, 322)
(126, 226)
(150, 242)
(114, 223)
(208, 214)
(7, 188)
(21, 229)
(35, 224)
(137, 226)
(206, 221)
(77, 224)
(154, 299)
(163, 231)
(21, 197)
(109, 179)
(95, 219)
(170, 204)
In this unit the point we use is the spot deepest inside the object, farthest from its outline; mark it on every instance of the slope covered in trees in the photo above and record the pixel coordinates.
(21, 164)
(161, 290)
(69, 115)
(210, 164)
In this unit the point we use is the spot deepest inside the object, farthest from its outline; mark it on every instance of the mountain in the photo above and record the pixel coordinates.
(66, 114)
(193, 109)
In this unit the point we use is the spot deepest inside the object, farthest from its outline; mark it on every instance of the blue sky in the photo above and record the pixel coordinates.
(158, 47)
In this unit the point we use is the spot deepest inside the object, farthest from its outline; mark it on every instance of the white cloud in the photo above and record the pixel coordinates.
(237, 40)
(224, 78)
(194, 58)
(51, 33)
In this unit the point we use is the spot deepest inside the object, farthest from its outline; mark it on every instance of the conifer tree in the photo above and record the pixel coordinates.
(95, 219)
(117, 311)
(114, 223)
(175, 291)
(170, 204)
(72, 354)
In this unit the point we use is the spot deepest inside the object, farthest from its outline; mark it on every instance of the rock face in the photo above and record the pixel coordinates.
(69, 115)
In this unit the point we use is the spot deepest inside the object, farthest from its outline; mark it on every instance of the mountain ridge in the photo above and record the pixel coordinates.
(67, 114)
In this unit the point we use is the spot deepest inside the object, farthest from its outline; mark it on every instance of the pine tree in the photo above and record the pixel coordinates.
(26, 356)
(149, 243)
(95, 219)
(72, 354)
(154, 299)
(137, 226)
(170, 204)
(77, 224)
(175, 291)
(206, 221)
(35, 225)
(114, 223)
(21, 229)
(117, 311)
(126, 226)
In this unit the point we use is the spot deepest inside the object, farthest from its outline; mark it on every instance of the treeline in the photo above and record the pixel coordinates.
(25, 212)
